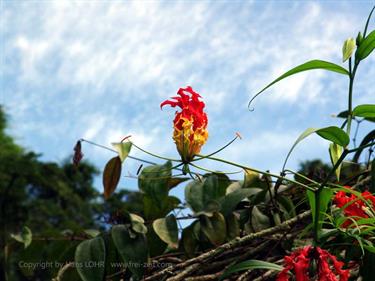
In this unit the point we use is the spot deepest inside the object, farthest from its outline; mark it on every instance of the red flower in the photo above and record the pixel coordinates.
(329, 268)
(355, 206)
(190, 124)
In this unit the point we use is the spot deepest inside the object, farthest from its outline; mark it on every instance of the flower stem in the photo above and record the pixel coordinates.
(155, 155)
(260, 172)
(215, 152)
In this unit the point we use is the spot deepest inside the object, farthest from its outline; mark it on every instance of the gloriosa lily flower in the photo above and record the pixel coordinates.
(328, 267)
(355, 207)
(190, 124)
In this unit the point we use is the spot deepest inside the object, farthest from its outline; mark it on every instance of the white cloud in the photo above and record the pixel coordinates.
(100, 69)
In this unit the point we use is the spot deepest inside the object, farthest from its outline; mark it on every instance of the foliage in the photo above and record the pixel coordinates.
(222, 221)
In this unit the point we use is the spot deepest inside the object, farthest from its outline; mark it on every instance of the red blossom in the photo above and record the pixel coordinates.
(329, 268)
(190, 124)
(353, 206)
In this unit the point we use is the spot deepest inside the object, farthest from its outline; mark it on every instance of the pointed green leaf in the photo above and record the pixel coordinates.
(231, 200)
(138, 223)
(364, 110)
(90, 259)
(203, 196)
(156, 246)
(111, 176)
(134, 250)
(313, 64)
(335, 152)
(347, 49)
(250, 264)
(251, 178)
(167, 230)
(372, 185)
(332, 133)
(92, 232)
(214, 228)
(188, 240)
(25, 236)
(153, 181)
(154, 209)
(366, 47)
(259, 221)
(123, 149)
(325, 198)
(366, 140)
(233, 226)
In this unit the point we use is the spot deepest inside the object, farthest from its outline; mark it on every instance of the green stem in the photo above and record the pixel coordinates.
(115, 151)
(350, 98)
(317, 195)
(260, 172)
(302, 176)
(215, 172)
(155, 155)
(215, 152)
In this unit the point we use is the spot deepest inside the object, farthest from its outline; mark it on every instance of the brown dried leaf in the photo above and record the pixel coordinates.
(78, 155)
(111, 176)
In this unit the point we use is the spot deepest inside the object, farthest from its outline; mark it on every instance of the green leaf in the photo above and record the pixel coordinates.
(90, 259)
(332, 133)
(372, 184)
(156, 246)
(347, 49)
(25, 236)
(123, 149)
(215, 186)
(251, 178)
(134, 251)
(167, 230)
(92, 232)
(214, 228)
(189, 242)
(111, 176)
(287, 206)
(233, 227)
(366, 140)
(364, 110)
(313, 64)
(154, 210)
(202, 196)
(325, 198)
(137, 223)
(153, 181)
(366, 47)
(335, 152)
(250, 264)
(259, 221)
(231, 200)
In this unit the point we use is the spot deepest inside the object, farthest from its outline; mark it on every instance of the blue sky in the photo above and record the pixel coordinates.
(100, 69)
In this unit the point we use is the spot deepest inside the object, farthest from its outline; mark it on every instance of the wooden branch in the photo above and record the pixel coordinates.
(192, 264)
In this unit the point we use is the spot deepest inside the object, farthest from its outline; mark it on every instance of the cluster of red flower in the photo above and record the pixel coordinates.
(354, 206)
(329, 268)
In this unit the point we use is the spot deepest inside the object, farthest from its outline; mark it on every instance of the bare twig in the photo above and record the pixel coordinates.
(192, 264)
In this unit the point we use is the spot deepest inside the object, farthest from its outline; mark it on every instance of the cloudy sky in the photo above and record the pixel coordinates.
(99, 70)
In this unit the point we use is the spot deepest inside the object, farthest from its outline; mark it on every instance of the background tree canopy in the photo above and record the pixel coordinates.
(52, 200)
